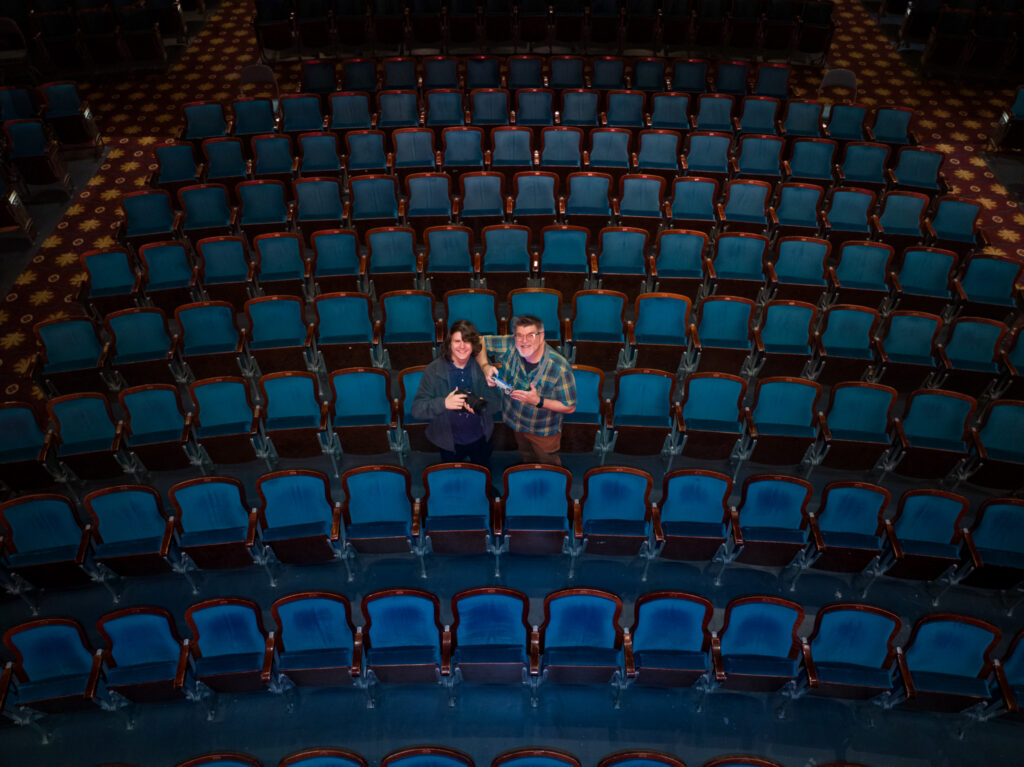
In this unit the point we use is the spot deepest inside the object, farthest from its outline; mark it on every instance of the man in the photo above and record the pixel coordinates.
(543, 388)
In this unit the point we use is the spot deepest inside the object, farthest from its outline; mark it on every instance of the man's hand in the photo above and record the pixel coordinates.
(529, 396)
(489, 372)
(455, 401)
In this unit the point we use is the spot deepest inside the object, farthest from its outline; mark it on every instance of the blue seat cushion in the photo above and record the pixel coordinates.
(42, 556)
(685, 529)
(676, 660)
(340, 657)
(455, 523)
(489, 654)
(855, 676)
(774, 535)
(850, 435)
(759, 665)
(851, 540)
(304, 530)
(785, 430)
(95, 445)
(624, 527)
(384, 529)
(537, 523)
(155, 437)
(1000, 558)
(701, 424)
(311, 420)
(929, 549)
(936, 443)
(606, 657)
(189, 539)
(1005, 455)
(949, 684)
(51, 689)
(120, 676)
(224, 429)
(238, 663)
(403, 656)
(127, 548)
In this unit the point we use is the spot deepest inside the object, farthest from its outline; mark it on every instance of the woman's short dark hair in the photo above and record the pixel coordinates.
(469, 334)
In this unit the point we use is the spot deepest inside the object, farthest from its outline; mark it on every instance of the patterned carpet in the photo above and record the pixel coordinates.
(137, 116)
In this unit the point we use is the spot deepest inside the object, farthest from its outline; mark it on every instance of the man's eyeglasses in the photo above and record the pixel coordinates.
(528, 336)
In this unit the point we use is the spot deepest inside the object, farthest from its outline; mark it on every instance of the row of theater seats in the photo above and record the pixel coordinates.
(93, 37)
(124, 530)
(805, 329)
(801, 31)
(539, 108)
(443, 756)
(601, 73)
(900, 220)
(945, 665)
(41, 127)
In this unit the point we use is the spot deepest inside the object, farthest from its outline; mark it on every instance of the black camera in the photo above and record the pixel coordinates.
(473, 401)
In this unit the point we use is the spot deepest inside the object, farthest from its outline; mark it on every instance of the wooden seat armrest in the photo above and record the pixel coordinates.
(252, 528)
(1005, 689)
(534, 652)
(417, 512)
(83, 544)
(627, 654)
(336, 521)
(826, 433)
(734, 524)
(904, 671)
(809, 667)
(816, 536)
(748, 421)
(357, 654)
(659, 533)
(268, 657)
(972, 549)
(894, 542)
(182, 668)
(716, 658)
(577, 520)
(446, 651)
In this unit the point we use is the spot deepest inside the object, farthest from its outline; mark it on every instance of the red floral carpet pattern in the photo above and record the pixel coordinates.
(137, 116)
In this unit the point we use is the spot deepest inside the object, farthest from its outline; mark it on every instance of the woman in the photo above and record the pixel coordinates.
(461, 432)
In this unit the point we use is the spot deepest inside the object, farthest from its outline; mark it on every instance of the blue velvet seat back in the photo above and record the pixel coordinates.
(295, 500)
(319, 200)
(535, 195)
(693, 199)
(680, 253)
(641, 197)
(314, 624)
(536, 493)
(408, 318)
(223, 404)
(588, 398)
(949, 647)
(402, 620)
(42, 523)
(855, 637)
(140, 335)
(392, 250)
(761, 629)
(589, 195)
(662, 320)
(609, 149)
(448, 251)
(851, 510)
(292, 397)
(847, 332)
(22, 434)
(672, 624)
(724, 323)
(429, 196)
(228, 630)
(336, 253)
(378, 496)
(773, 503)
(110, 272)
(83, 421)
(1001, 528)
(786, 327)
(148, 213)
(785, 403)
(489, 620)
(564, 250)
(52, 652)
(643, 396)
(694, 498)
(902, 214)
(137, 639)
(910, 336)
(167, 266)
(580, 620)
(458, 492)
(973, 344)
(360, 396)
(206, 207)
(277, 323)
(937, 416)
(955, 220)
(615, 495)
(1003, 429)
(226, 260)
(70, 345)
(128, 515)
(208, 328)
(598, 317)
(926, 272)
(280, 258)
(272, 155)
(990, 280)
(211, 506)
(927, 517)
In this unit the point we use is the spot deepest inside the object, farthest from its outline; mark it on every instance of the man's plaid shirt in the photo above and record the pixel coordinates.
(553, 378)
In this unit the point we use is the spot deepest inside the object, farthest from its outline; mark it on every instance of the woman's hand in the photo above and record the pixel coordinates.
(455, 401)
